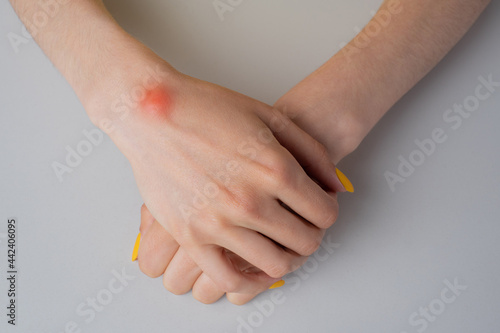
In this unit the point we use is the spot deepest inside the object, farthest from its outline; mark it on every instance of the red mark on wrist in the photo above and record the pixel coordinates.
(156, 102)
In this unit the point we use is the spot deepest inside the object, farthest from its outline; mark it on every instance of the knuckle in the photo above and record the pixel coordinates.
(332, 215)
(173, 285)
(321, 152)
(328, 221)
(328, 216)
(280, 166)
(216, 224)
(309, 247)
(242, 299)
(148, 267)
(279, 170)
(187, 235)
(203, 297)
(244, 203)
(209, 224)
(299, 262)
(183, 235)
(280, 269)
(230, 284)
(236, 300)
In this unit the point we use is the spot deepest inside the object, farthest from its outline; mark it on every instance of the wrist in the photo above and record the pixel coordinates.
(135, 94)
(329, 106)
(104, 65)
(115, 76)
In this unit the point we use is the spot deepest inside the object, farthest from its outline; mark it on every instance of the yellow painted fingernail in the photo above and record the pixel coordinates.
(136, 247)
(345, 181)
(278, 284)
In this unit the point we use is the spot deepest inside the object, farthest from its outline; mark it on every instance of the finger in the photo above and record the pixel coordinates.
(288, 182)
(286, 228)
(206, 291)
(181, 273)
(307, 199)
(261, 252)
(156, 250)
(309, 153)
(240, 299)
(214, 262)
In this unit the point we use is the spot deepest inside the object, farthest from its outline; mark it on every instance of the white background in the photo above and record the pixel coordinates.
(393, 251)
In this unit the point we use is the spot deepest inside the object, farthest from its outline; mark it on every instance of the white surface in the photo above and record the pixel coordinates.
(395, 249)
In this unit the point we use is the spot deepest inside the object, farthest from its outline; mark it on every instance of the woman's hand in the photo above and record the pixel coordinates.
(215, 167)
(223, 172)
(219, 170)
(159, 254)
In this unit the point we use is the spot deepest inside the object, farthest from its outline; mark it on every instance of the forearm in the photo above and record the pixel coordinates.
(89, 48)
(418, 36)
(73, 38)
(357, 86)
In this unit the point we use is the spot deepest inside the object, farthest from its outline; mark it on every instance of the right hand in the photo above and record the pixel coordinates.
(217, 169)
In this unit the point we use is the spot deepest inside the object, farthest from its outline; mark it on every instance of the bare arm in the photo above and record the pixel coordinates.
(341, 101)
(212, 165)
(80, 38)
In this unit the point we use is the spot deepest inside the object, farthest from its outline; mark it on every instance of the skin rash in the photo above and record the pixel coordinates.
(157, 102)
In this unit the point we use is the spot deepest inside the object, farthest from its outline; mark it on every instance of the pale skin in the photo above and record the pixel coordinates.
(218, 170)
(353, 90)
(333, 109)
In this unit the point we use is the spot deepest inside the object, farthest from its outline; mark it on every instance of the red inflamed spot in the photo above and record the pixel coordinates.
(157, 102)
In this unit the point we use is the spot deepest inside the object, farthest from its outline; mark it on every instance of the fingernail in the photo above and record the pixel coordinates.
(278, 284)
(136, 247)
(345, 181)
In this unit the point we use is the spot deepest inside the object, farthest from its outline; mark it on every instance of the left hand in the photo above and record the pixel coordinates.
(159, 254)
